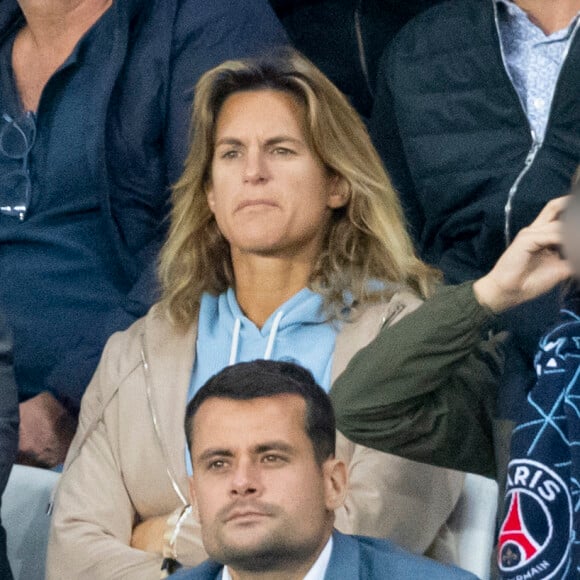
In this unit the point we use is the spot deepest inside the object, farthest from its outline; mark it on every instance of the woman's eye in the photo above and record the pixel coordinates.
(282, 151)
(231, 154)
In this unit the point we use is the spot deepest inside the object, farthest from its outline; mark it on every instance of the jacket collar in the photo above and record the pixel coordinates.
(365, 326)
(345, 558)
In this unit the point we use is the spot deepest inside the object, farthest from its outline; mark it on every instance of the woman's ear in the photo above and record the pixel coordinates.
(338, 193)
(210, 196)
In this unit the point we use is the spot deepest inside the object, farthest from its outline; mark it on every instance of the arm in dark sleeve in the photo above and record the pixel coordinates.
(425, 388)
(386, 137)
(204, 35)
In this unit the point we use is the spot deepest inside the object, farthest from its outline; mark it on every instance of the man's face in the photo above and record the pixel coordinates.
(264, 502)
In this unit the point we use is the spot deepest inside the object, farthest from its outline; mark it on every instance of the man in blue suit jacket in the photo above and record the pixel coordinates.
(266, 484)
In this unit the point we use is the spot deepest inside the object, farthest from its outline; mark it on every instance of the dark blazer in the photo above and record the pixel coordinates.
(8, 427)
(358, 557)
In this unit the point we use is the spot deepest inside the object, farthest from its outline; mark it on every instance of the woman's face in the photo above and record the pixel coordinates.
(269, 192)
(572, 232)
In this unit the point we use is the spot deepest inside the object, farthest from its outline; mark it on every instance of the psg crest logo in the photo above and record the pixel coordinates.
(534, 538)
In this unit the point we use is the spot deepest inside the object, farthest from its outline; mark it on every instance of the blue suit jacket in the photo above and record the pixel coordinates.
(358, 557)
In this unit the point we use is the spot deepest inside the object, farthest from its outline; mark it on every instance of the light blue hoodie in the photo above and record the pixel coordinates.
(298, 331)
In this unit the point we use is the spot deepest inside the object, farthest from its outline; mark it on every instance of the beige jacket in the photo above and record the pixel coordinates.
(126, 462)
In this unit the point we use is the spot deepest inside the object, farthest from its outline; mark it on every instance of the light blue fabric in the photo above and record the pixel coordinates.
(299, 328)
(304, 335)
(534, 61)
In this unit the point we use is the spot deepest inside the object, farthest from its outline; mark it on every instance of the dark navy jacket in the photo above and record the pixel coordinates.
(112, 134)
(358, 558)
(345, 38)
(8, 427)
(450, 128)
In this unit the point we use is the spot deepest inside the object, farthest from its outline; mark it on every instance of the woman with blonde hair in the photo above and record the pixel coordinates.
(365, 241)
(286, 242)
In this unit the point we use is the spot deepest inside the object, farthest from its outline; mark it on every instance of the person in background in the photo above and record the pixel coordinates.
(267, 483)
(345, 39)
(94, 122)
(450, 416)
(287, 242)
(541, 521)
(476, 120)
(8, 428)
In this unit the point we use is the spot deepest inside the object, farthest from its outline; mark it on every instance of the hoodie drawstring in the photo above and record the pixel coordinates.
(235, 342)
(271, 338)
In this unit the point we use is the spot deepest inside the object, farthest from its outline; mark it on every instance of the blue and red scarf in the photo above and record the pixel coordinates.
(539, 537)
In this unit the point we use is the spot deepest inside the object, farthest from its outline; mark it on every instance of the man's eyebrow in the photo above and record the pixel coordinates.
(214, 452)
(274, 446)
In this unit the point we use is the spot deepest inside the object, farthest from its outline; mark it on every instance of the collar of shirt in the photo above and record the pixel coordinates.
(317, 572)
(520, 17)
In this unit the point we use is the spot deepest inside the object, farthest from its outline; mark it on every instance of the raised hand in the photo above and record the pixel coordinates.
(532, 265)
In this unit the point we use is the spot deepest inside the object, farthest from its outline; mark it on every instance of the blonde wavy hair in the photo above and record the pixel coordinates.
(367, 254)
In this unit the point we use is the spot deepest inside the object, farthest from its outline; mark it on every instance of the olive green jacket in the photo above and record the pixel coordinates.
(446, 419)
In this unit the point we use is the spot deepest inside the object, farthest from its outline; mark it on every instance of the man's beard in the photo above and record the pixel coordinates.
(273, 553)
(278, 549)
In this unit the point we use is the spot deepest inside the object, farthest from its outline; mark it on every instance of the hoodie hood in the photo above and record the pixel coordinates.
(298, 331)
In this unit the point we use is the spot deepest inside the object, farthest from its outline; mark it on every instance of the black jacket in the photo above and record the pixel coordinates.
(450, 128)
(345, 38)
(8, 427)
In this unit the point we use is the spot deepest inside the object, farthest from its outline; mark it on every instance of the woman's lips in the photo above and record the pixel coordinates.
(251, 203)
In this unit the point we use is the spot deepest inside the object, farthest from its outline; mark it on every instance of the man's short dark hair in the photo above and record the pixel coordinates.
(265, 378)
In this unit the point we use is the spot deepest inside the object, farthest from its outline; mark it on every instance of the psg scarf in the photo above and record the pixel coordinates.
(539, 537)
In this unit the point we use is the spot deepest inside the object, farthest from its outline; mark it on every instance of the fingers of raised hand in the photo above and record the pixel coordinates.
(541, 236)
(552, 211)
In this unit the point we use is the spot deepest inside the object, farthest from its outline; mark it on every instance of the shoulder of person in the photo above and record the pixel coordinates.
(125, 349)
(366, 323)
(378, 556)
(423, 33)
(386, 312)
(558, 352)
